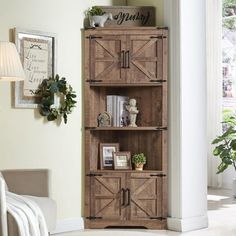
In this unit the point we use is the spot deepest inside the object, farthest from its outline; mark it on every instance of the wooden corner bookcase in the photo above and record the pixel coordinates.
(129, 62)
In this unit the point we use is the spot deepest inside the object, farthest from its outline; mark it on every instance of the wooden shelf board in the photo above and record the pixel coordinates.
(156, 84)
(151, 128)
(128, 171)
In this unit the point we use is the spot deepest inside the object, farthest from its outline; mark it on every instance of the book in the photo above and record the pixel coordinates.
(116, 107)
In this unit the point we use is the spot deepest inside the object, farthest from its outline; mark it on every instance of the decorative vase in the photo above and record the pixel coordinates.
(234, 188)
(139, 166)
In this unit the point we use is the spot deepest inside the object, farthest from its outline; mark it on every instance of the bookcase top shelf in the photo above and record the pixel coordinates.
(128, 171)
(151, 128)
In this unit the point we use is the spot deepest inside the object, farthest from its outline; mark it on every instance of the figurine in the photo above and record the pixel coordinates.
(104, 120)
(133, 111)
(100, 20)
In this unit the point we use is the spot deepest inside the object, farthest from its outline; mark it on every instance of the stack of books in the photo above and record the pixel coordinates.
(116, 107)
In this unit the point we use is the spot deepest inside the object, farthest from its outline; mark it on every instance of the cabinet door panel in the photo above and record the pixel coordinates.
(146, 58)
(107, 196)
(146, 196)
(106, 59)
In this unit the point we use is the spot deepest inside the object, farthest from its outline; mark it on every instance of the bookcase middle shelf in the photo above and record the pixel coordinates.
(150, 128)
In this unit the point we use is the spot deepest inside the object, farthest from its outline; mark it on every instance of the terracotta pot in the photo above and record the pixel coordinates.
(138, 166)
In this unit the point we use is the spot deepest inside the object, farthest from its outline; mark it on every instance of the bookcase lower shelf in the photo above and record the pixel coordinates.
(149, 224)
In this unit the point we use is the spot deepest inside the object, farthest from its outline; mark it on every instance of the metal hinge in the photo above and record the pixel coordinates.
(92, 175)
(161, 128)
(93, 218)
(93, 37)
(158, 37)
(158, 175)
(165, 28)
(93, 81)
(157, 81)
(157, 218)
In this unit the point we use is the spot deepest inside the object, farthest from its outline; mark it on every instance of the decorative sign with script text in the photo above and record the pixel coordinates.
(130, 16)
(36, 57)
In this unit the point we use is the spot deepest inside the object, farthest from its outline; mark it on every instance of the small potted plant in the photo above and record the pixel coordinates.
(139, 160)
(225, 147)
(97, 17)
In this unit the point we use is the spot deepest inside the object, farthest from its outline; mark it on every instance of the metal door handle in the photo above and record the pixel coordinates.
(123, 61)
(128, 191)
(127, 57)
(123, 196)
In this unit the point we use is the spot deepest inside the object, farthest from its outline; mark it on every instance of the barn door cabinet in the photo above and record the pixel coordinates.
(129, 62)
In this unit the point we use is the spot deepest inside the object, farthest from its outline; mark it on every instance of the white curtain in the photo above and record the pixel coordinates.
(214, 84)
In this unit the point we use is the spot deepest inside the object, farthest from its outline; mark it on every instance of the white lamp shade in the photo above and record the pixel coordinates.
(10, 65)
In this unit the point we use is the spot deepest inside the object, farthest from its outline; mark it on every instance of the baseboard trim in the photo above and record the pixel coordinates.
(68, 225)
(187, 224)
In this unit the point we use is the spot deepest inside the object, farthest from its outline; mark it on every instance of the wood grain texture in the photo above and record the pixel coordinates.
(148, 50)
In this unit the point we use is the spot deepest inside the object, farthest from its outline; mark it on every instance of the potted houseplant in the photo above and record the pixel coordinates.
(225, 147)
(139, 160)
(97, 17)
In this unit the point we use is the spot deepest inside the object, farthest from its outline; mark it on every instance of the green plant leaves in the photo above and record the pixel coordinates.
(47, 90)
(225, 147)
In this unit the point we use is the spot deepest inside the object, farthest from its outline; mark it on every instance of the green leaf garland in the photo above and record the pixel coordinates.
(48, 89)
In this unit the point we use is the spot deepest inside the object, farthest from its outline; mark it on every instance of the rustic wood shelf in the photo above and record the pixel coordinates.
(151, 128)
(130, 62)
(154, 84)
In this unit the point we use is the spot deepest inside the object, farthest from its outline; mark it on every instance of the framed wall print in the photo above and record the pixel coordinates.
(122, 161)
(106, 154)
(38, 56)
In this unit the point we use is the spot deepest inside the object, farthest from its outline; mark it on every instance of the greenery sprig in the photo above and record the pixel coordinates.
(95, 11)
(47, 90)
(139, 158)
(226, 145)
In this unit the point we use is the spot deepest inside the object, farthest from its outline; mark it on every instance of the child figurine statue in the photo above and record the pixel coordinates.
(133, 111)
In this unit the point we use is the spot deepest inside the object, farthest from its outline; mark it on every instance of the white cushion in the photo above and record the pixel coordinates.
(49, 209)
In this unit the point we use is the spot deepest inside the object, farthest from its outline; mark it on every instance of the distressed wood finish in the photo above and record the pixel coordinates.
(107, 196)
(143, 80)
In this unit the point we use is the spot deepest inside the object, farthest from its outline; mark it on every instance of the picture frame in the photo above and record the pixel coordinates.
(37, 52)
(122, 160)
(106, 155)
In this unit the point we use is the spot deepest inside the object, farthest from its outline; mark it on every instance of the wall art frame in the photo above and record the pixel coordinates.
(38, 54)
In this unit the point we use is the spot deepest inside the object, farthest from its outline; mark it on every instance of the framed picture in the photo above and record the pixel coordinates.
(38, 56)
(106, 154)
(122, 161)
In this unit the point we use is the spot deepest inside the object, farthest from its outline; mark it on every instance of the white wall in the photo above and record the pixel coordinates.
(26, 141)
(159, 4)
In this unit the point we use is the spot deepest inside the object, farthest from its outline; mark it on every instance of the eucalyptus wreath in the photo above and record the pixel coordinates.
(47, 90)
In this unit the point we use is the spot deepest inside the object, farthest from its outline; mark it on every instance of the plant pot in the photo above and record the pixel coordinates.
(139, 166)
(234, 188)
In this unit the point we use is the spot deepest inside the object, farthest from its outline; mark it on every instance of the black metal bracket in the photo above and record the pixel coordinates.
(93, 218)
(93, 37)
(92, 175)
(158, 81)
(157, 218)
(164, 27)
(161, 128)
(158, 37)
(93, 81)
(157, 175)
